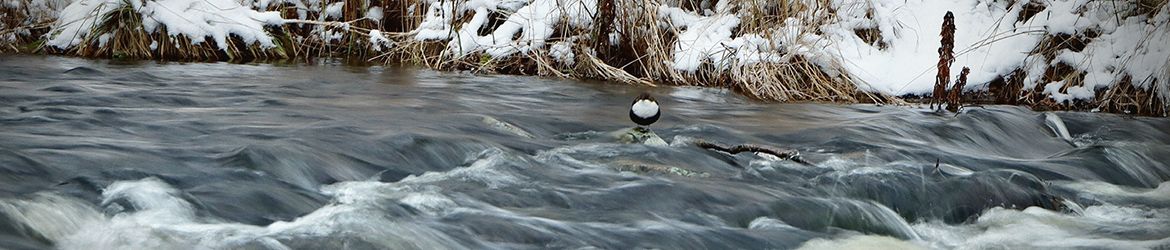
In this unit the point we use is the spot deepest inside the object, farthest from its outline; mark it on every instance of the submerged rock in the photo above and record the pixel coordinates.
(640, 135)
(648, 168)
(505, 127)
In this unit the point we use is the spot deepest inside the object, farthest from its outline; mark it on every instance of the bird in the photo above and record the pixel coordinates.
(644, 111)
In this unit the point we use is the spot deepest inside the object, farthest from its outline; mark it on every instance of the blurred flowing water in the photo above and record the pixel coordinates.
(99, 154)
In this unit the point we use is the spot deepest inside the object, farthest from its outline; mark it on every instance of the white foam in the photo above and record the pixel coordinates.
(838, 163)
(429, 203)
(1106, 192)
(483, 170)
(766, 223)
(1038, 228)
(149, 195)
(359, 192)
(49, 215)
(160, 220)
(163, 220)
(1057, 125)
(859, 242)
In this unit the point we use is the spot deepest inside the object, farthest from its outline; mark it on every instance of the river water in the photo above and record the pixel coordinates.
(98, 154)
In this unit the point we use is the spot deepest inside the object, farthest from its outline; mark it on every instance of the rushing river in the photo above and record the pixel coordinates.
(98, 154)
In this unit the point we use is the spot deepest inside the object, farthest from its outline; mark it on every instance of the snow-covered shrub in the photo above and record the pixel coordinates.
(138, 28)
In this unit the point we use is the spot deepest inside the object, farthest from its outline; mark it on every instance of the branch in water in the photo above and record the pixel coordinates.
(788, 154)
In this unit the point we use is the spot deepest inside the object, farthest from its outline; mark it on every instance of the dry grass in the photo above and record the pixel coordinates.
(1122, 97)
(793, 79)
(642, 54)
(644, 49)
(1125, 98)
(299, 39)
(797, 80)
(118, 34)
(22, 23)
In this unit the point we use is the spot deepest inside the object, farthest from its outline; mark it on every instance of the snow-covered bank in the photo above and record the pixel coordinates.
(1055, 51)
(194, 19)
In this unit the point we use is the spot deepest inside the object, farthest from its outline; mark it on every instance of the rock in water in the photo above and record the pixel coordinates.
(639, 135)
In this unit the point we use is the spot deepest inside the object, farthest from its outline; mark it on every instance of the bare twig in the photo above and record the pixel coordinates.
(787, 154)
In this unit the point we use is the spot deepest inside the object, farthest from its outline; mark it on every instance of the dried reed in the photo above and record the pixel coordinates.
(946, 56)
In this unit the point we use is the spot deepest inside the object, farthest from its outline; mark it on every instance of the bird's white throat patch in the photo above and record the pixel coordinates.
(645, 108)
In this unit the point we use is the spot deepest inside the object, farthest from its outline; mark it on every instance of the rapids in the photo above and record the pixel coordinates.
(99, 154)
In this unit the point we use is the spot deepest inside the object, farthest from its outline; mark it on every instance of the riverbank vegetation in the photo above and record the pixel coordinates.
(1090, 55)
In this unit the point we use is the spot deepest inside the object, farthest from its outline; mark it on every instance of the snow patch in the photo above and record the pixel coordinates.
(195, 19)
(562, 52)
(708, 39)
(990, 38)
(526, 29)
(991, 41)
(334, 10)
(378, 41)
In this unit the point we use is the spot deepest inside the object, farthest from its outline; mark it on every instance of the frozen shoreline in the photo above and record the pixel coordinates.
(1060, 54)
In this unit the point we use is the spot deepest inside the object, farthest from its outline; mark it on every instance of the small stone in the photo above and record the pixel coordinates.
(640, 135)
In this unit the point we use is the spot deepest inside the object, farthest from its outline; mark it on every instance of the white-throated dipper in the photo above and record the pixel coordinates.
(644, 111)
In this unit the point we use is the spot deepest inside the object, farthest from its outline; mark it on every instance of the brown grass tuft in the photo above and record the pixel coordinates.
(955, 97)
(946, 56)
(22, 22)
(1126, 98)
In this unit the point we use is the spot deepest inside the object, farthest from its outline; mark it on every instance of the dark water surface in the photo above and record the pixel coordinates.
(149, 155)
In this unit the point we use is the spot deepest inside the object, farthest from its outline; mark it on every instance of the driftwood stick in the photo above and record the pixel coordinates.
(788, 154)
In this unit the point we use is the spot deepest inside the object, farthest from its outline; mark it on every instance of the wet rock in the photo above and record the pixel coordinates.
(639, 135)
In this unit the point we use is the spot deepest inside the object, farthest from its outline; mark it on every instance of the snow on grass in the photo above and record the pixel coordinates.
(989, 39)
(909, 31)
(334, 10)
(702, 38)
(375, 13)
(1131, 46)
(18, 18)
(379, 41)
(533, 22)
(195, 19)
(563, 52)
(992, 42)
